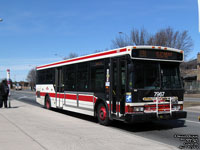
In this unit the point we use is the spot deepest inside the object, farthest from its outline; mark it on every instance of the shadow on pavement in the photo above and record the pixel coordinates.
(76, 115)
(12, 107)
(137, 127)
(149, 126)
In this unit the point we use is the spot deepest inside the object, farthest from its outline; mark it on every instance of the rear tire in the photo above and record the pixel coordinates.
(47, 103)
(103, 115)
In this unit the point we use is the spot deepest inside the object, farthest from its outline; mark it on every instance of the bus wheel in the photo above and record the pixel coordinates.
(102, 115)
(47, 103)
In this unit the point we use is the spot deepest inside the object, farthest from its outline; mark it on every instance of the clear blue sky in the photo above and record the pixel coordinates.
(34, 31)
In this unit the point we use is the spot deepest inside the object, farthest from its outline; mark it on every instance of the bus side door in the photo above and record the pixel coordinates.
(118, 86)
(59, 88)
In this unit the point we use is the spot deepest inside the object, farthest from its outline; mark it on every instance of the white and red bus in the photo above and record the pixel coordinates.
(132, 84)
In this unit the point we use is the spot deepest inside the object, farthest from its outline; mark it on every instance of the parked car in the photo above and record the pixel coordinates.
(18, 86)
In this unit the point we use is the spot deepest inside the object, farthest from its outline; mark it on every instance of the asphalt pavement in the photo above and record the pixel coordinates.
(191, 99)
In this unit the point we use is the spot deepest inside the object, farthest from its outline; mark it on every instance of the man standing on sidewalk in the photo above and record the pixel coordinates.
(4, 92)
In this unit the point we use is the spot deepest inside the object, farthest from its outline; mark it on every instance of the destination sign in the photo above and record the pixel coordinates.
(156, 54)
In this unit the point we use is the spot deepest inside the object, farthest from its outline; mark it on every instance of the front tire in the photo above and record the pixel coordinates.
(103, 115)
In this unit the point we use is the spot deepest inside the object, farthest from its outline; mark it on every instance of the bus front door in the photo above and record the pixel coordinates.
(59, 88)
(118, 86)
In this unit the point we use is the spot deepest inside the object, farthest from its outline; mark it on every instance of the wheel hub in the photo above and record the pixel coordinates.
(102, 113)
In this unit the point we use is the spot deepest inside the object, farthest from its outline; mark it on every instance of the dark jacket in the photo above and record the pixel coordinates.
(1, 96)
(4, 89)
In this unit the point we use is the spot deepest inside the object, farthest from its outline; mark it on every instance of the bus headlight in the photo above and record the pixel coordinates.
(178, 107)
(138, 109)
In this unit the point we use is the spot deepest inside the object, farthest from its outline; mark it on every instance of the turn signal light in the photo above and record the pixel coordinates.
(181, 107)
(130, 109)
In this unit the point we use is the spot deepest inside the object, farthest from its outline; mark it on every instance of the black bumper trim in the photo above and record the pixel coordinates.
(145, 117)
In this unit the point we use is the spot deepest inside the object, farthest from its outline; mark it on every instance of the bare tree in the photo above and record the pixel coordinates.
(170, 38)
(164, 37)
(121, 41)
(71, 55)
(139, 37)
(31, 78)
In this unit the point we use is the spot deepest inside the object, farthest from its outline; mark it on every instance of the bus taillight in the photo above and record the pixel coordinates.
(129, 109)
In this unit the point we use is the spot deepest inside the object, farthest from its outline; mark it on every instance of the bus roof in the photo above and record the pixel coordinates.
(104, 54)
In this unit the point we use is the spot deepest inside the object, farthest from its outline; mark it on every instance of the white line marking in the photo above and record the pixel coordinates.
(22, 97)
(194, 111)
(192, 121)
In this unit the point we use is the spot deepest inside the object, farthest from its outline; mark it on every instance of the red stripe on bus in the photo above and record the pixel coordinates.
(69, 96)
(52, 94)
(87, 98)
(42, 94)
(60, 95)
(82, 58)
(123, 50)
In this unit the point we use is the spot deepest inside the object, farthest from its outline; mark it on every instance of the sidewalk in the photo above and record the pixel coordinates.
(29, 127)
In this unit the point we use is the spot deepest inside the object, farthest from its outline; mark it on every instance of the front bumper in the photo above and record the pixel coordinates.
(145, 117)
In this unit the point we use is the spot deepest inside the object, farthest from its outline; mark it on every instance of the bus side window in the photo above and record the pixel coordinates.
(69, 78)
(50, 76)
(82, 76)
(97, 76)
(46, 76)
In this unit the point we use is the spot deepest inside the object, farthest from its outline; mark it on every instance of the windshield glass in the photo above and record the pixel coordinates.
(146, 75)
(154, 75)
(170, 76)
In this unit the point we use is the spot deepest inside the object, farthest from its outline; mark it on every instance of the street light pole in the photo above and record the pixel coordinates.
(1, 19)
(124, 34)
(127, 38)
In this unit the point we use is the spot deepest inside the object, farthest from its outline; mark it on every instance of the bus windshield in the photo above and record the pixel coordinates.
(170, 76)
(155, 75)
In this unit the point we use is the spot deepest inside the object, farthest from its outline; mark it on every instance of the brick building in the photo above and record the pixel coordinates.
(190, 71)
